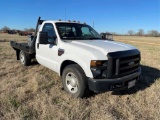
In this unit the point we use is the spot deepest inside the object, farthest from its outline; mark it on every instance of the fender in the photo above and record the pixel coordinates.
(84, 64)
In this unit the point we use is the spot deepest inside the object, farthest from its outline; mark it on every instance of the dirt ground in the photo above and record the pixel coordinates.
(35, 92)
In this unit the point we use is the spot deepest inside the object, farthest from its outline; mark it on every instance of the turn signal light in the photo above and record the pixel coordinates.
(96, 63)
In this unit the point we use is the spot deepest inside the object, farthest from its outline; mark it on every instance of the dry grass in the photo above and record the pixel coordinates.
(35, 92)
(138, 39)
(6, 37)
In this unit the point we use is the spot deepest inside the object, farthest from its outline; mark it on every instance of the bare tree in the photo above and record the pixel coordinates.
(140, 32)
(5, 28)
(153, 33)
(130, 32)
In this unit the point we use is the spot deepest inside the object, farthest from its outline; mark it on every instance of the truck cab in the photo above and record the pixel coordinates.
(84, 60)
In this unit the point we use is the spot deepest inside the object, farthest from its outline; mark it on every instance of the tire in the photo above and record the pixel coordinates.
(74, 81)
(24, 58)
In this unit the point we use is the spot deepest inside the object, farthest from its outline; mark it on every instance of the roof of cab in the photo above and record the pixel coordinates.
(52, 21)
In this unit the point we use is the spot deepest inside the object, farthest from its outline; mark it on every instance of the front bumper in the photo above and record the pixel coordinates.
(99, 85)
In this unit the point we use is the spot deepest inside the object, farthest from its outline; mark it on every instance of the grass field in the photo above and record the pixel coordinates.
(35, 92)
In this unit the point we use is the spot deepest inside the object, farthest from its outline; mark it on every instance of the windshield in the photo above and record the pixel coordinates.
(75, 31)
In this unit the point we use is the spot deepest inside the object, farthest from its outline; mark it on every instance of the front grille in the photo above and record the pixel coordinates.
(122, 63)
(125, 67)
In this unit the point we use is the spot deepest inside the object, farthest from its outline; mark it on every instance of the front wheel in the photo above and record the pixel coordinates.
(74, 81)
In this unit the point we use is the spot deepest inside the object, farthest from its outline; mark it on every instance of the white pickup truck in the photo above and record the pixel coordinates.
(77, 53)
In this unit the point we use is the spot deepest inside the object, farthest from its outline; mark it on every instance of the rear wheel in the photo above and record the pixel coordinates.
(74, 81)
(24, 58)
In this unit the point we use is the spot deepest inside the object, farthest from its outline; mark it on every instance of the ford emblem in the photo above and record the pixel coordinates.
(131, 63)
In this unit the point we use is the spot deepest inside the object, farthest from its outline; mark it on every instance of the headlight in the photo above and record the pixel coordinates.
(99, 68)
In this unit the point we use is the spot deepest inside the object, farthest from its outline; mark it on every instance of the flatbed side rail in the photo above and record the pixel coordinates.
(20, 46)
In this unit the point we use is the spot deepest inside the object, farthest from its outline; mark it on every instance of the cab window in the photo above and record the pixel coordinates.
(48, 27)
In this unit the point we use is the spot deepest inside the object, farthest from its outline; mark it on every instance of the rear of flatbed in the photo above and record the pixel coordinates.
(24, 52)
(20, 46)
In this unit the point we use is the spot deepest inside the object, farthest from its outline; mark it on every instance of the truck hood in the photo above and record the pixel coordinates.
(104, 46)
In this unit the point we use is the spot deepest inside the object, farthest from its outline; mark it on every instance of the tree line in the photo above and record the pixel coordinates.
(5, 28)
(151, 33)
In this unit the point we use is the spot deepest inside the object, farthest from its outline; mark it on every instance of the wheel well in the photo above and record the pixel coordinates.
(64, 64)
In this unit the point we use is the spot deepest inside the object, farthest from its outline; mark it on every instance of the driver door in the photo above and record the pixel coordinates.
(46, 54)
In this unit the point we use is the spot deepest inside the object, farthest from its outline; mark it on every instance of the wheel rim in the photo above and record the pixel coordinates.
(71, 82)
(22, 58)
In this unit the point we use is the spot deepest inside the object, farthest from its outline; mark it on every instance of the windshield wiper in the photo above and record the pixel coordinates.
(73, 38)
(81, 38)
(94, 38)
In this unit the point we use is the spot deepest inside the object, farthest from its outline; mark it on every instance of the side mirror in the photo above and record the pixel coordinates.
(103, 37)
(43, 38)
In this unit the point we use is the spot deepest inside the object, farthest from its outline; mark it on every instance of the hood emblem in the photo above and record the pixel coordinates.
(131, 63)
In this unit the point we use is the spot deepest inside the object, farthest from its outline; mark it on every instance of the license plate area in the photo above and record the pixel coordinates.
(131, 83)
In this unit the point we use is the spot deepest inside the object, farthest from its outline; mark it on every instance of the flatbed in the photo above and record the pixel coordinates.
(21, 46)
